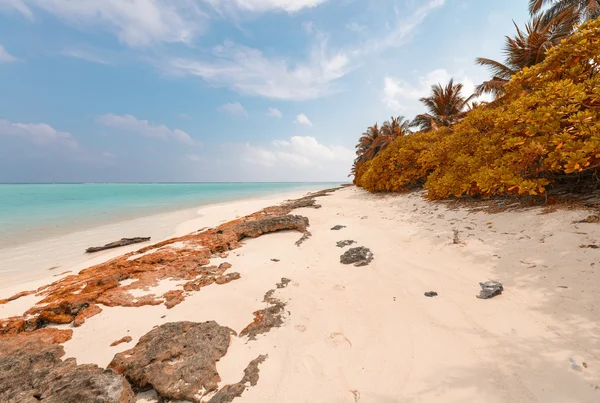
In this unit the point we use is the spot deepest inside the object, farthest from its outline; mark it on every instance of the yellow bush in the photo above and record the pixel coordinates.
(547, 125)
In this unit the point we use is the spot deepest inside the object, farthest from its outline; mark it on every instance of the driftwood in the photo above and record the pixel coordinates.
(117, 244)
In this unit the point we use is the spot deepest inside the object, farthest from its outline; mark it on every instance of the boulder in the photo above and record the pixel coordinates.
(490, 289)
(359, 256)
(31, 370)
(177, 359)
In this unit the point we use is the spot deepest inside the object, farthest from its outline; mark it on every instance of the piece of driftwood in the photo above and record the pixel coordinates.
(117, 244)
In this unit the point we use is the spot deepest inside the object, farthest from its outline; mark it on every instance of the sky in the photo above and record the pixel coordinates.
(223, 90)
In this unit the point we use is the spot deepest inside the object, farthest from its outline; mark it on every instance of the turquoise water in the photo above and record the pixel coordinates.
(37, 211)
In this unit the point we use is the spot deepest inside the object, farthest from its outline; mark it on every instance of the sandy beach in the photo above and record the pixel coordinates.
(368, 333)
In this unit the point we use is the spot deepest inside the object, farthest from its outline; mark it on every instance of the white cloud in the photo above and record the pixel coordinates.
(6, 57)
(274, 113)
(289, 6)
(355, 27)
(193, 158)
(17, 5)
(131, 124)
(85, 55)
(249, 71)
(398, 94)
(302, 119)
(184, 116)
(234, 109)
(298, 152)
(39, 134)
(135, 22)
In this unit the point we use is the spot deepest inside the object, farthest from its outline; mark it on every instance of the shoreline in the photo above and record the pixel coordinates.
(36, 263)
(299, 321)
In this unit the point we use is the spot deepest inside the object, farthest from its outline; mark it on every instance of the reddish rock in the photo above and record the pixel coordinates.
(66, 298)
(178, 360)
(85, 314)
(31, 370)
(229, 392)
(125, 339)
(173, 298)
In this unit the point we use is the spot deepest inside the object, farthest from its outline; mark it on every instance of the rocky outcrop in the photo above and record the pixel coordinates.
(229, 392)
(186, 258)
(490, 289)
(178, 360)
(268, 318)
(338, 227)
(360, 256)
(117, 244)
(31, 370)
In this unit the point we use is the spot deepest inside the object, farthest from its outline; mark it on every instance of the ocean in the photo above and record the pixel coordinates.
(30, 212)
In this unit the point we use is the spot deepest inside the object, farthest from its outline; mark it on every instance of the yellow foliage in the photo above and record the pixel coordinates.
(547, 125)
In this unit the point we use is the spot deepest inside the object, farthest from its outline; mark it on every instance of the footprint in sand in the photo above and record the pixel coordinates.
(339, 339)
(301, 328)
(339, 287)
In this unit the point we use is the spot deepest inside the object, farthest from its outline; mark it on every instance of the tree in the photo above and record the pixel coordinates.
(584, 10)
(446, 106)
(527, 48)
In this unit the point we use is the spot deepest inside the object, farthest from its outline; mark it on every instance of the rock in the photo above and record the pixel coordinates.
(268, 318)
(173, 297)
(304, 238)
(591, 219)
(275, 260)
(177, 359)
(185, 258)
(126, 339)
(117, 244)
(589, 246)
(360, 256)
(431, 294)
(31, 370)
(338, 227)
(85, 314)
(347, 242)
(490, 289)
(230, 392)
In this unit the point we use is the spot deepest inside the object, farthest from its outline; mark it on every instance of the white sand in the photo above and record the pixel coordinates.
(368, 334)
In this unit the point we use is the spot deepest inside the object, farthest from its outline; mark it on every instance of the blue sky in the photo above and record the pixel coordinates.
(223, 90)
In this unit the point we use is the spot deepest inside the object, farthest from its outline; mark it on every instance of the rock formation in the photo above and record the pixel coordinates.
(360, 256)
(178, 360)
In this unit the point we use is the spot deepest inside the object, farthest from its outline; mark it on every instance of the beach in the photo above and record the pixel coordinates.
(346, 333)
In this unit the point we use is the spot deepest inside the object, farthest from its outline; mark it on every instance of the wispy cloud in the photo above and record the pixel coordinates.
(85, 55)
(249, 71)
(134, 22)
(129, 123)
(290, 6)
(39, 134)
(302, 119)
(234, 109)
(355, 27)
(6, 57)
(17, 5)
(274, 113)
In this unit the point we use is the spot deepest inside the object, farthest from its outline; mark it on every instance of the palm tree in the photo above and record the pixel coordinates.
(367, 148)
(584, 10)
(446, 106)
(527, 48)
(391, 129)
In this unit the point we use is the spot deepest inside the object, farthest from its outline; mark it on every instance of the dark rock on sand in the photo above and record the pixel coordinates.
(268, 318)
(230, 392)
(31, 370)
(360, 256)
(304, 238)
(275, 260)
(490, 289)
(338, 227)
(347, 242)
(431, 294)
(177, 359)
(117, 244)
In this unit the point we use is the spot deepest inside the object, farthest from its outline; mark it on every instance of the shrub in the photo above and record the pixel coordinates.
(546, 127)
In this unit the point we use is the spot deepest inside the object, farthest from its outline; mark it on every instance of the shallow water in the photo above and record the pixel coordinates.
(31, 212)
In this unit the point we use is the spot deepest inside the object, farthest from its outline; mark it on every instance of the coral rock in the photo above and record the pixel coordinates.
(177, 359)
